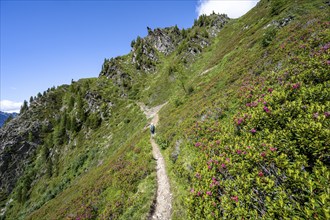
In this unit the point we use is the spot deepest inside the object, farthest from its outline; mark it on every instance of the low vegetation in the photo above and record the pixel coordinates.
(245, 133)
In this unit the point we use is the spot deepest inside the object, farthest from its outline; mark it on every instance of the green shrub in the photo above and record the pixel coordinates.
(94, 120)
(268, 37)
(162, 142)
(190, 90)
(277, 165)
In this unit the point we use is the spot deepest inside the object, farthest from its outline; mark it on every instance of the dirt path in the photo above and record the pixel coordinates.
(163, 205)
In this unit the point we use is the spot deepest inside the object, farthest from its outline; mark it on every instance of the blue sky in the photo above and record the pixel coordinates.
(48, 43)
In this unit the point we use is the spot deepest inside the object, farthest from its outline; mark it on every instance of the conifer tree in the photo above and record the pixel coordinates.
(24, 107)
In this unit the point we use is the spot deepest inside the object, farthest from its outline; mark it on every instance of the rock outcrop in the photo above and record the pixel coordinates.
(145, 51)
(18, 142)
(144, 55)
(164, 40)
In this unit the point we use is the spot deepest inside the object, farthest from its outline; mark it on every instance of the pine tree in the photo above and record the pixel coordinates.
(80, 109)
(60, 130)
(94, 121)
(74, 125)
(24, 107)
(71, 103)
(132, 43)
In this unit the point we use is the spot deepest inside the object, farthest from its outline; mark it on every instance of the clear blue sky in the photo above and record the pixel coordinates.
(48, 43)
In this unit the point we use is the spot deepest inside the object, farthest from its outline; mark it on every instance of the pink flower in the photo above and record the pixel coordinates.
(214, 182)
(209, 167)
(270, 90)
(326, 114)
(192, 190)
(209, 193)
(253, 130)
(296, 86)
(326, 47)
(235, 198)
(261, 174)
(198, 144)
(273, 149)
(199, 193)
(238, 151)
(217, 142)
(263, 154)
(198, 175)
(328, 62)
(248, 147)
(223, 166)
(239, 121)
(252, 104)
(228, 160)
(266, 109)
(244, 152)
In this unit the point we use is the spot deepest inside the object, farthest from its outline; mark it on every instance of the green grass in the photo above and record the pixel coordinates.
(106, 170)
(123, 184)
(78, 166)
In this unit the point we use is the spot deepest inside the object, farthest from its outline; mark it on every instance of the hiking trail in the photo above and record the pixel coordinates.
(163, 202)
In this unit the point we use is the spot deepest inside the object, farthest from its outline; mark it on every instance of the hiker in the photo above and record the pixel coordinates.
(152, 128)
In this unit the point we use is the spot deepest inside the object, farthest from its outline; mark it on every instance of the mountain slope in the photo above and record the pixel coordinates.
(245, 133)
(251, 142)
(61, 146)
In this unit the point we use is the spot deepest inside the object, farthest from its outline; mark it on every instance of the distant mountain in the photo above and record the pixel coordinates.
(4, 116)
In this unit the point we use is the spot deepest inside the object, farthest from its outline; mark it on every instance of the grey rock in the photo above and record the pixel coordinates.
(16, 150)
(281, 23)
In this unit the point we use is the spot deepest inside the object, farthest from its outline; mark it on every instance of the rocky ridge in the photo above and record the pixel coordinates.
(145, 51)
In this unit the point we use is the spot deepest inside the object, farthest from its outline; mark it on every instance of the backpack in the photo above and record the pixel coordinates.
(152, 128)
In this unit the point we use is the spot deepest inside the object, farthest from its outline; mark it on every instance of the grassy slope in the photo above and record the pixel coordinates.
(237, 56)
(100, 172)
(122, 186)
(116, 179)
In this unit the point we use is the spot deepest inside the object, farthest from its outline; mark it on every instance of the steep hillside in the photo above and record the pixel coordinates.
(75, 143)
(252, 140)
(245, 133)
